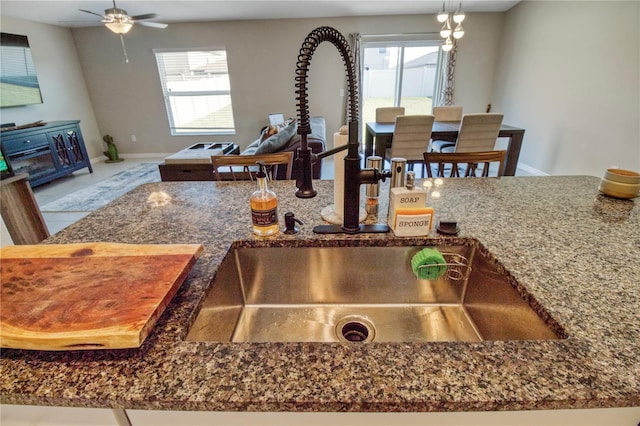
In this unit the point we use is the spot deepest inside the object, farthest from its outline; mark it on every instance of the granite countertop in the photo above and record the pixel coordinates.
(576, 251)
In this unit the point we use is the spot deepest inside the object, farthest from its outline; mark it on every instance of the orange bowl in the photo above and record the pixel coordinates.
(623, 176)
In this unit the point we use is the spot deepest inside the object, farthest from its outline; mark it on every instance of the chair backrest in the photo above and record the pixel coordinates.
(448, 113)
(249, 166)
(472, 160)
(388, 114)
(411, 136)
(478, 132)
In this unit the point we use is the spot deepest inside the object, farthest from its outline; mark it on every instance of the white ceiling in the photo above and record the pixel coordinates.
(66, 13)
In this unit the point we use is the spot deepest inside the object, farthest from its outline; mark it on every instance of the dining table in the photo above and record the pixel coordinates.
(379, 135)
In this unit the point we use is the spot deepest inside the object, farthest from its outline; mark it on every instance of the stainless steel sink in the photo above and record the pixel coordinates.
(364, 293)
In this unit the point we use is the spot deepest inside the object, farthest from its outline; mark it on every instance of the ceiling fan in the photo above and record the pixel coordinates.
(118, 21)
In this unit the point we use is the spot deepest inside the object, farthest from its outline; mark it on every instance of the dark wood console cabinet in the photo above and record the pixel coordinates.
(186, 172)
(46, 152)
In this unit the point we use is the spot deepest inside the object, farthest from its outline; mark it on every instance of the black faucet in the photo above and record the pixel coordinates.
(354, 174)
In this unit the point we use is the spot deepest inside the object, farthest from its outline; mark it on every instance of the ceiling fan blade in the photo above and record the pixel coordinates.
(145, 16)
(93, 13)
(152, 24)
(92, 23)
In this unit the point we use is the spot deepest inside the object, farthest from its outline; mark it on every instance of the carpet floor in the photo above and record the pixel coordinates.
(99, 194)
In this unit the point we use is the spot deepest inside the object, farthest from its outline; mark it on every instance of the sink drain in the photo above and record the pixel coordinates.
(355, 329)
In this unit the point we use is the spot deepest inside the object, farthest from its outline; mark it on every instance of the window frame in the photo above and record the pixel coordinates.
(168, 95)
(403, 41)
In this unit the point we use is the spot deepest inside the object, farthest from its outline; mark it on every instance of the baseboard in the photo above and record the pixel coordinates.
(530, 171)
(97, 160)
(148, 155)
(156, 155)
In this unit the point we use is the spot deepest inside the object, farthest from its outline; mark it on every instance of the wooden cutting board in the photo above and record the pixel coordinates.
(87, 295)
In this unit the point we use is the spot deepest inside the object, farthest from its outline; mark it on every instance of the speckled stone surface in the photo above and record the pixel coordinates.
(576, 251)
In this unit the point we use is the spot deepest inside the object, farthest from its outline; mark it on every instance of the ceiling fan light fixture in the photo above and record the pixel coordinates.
(119, 27)
(119, 22)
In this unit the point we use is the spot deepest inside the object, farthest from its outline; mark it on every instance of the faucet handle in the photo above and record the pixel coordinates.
(384, 174)
(290, 223)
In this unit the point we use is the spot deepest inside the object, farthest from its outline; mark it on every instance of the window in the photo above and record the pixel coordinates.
(197, 92)
(400, 71)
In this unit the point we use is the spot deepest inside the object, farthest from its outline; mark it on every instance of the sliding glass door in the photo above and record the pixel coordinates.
(399, 71)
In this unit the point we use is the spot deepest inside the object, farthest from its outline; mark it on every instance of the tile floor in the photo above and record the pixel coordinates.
(80, 179)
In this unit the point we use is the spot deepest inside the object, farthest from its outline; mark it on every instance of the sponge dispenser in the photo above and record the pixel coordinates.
(409, 215)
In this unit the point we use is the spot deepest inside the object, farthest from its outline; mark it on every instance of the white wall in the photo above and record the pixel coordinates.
(561, 70)
(61, 80)
(262, 59)
(568, 72)
(127, 100)
(478, 53)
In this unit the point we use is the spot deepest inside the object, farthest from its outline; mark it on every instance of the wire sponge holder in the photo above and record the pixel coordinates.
(457, 267)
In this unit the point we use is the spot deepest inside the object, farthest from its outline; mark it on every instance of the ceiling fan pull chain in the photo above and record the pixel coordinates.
(124, 49)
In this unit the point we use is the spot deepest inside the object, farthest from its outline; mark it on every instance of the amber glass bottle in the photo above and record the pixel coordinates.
(264, 207)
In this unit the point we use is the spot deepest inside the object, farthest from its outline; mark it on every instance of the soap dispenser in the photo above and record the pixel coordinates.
(264, 206)
(409, 215)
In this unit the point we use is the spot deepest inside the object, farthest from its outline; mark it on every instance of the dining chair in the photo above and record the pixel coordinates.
(388, 114)
(468, 161)
(448, 113)
(249, 165)
(478, 132)
(445, 113)
(411, 137)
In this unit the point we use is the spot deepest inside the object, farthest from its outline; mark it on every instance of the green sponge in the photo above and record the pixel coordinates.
(434, 265)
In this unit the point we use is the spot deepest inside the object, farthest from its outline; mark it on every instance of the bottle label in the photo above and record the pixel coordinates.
(264, 217)
(412, 225)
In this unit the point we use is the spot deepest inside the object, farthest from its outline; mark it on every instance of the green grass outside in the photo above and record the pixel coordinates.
(412, 106)
(220, 119)
(416, 105)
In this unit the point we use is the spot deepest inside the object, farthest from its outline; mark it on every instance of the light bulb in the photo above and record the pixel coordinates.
(445, 31)
(447, 45)
(458, 32)
(443, 15)
(458, 16)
